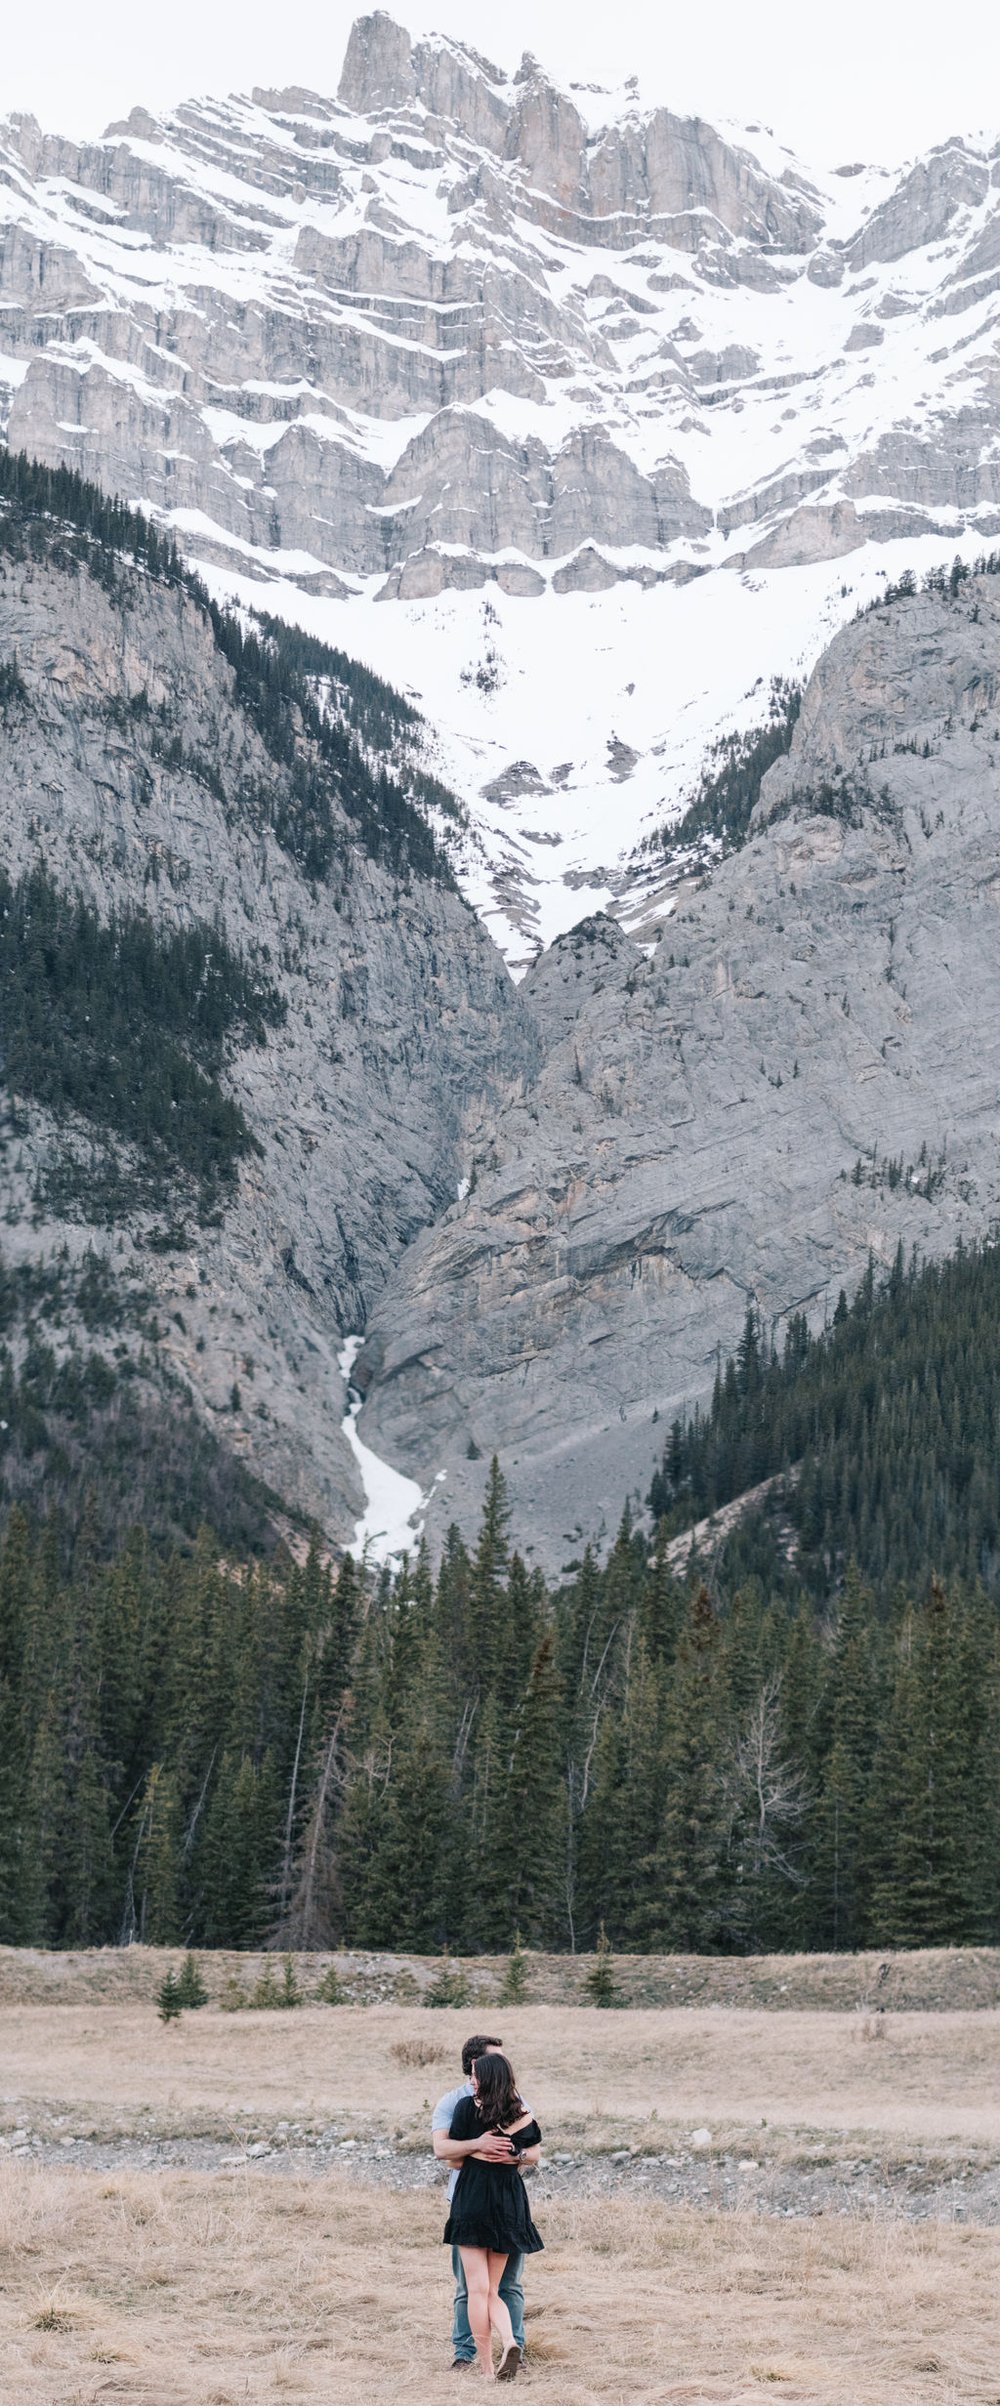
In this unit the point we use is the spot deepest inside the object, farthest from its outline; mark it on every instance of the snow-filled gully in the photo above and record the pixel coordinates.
(392, 1520)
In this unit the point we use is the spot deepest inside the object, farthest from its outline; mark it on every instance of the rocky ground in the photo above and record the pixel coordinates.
(695, 2176)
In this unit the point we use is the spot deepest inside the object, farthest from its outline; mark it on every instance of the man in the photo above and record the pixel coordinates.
(497, 2151)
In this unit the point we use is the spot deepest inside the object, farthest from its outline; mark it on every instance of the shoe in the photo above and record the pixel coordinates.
(460, 2364)
(509, 2362)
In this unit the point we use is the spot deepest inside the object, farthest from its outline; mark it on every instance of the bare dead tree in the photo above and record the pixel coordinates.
(308, 1913)
(766, 1800)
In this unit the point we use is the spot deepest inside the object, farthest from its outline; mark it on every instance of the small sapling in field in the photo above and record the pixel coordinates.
(514, 1986)
(191, 1989)
(169, 2002)
(600, 1986)
(449, 1985)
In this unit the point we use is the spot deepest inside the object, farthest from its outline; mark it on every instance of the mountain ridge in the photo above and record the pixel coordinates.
(450, 335)
(598, 437)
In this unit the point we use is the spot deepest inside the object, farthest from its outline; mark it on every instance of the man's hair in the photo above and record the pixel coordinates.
(476, 2046)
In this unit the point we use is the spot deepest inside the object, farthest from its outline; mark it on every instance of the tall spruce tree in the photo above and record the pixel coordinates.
(930, 1786)
(850, 1720)
(528, 1877)
(690, 1911)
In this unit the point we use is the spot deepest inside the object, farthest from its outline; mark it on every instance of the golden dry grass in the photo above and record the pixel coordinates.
(221, 2290)
(927, 1979)
(930, 2088)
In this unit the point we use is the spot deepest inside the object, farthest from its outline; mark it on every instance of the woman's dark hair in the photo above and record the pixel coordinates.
(498, 2098)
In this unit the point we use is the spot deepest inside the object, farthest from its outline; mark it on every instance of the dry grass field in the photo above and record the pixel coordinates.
(249, 2285)
(923, 1980)
(184, 2290)
(929, 2086)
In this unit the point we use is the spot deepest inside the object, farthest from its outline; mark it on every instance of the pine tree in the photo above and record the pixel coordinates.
(311, 1905)
(929, 1787)
(691, 1904)
(88, 1871)
(191, 1990)
(360, 1827)
(600, 1986)
(527, 1879)
(156, 1864)
(595, 1630)
(514, 1985)
(520, 1631)
(406, 1874)
(662, 1608)
(487, 1599)
(850, 1720)
(43, 1825)
(13, 1799)
(453, 1610)
(619, 1869)
(169, 2002)
(449, 1986)
(237, 1853)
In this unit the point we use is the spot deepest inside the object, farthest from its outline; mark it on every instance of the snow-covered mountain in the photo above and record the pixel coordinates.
(578, 419)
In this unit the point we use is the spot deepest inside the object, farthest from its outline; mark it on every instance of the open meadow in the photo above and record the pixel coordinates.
(240, 2207)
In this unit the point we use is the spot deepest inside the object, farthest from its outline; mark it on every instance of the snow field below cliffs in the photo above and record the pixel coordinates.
(570, 685)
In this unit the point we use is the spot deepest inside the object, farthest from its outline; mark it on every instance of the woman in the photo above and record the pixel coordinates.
(489, 2218)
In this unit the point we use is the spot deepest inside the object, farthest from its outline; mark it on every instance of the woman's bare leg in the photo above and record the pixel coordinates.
(476, 2265)
(500, 2321)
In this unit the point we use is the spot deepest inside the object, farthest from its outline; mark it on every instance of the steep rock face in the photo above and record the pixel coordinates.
(623, 184)
(805, 1070)
(226, 314)
(924, 206)
(455, 330)
(129, 765)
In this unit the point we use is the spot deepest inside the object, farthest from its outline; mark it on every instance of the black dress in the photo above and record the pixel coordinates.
(490, 2204)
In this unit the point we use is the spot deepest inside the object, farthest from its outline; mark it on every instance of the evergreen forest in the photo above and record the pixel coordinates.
(340, 736)
(124, 1023)
(787, 1736)
(790, 1740)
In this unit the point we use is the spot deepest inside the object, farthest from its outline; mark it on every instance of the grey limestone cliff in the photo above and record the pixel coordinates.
(129, 766)
(454, 314)
(803, 1070)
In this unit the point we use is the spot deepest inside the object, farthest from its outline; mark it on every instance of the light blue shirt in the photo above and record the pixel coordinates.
(441, 2119)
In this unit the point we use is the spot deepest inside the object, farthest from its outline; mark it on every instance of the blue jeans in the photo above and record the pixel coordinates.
(463, 2346)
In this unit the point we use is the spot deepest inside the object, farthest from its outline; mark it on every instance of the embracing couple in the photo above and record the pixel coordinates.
(486, 2135)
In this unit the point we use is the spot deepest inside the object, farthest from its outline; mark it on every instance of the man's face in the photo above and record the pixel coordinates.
(495, 2048)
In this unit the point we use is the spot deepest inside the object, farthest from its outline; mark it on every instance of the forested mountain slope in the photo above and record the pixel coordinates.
(787, 1748)
(876, 1439)
(243, 1006)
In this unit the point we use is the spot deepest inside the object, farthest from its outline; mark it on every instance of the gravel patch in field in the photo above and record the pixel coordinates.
(700, 2178)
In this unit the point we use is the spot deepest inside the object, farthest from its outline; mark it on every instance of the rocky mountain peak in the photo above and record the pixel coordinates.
(378, 71)
(456, 340)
